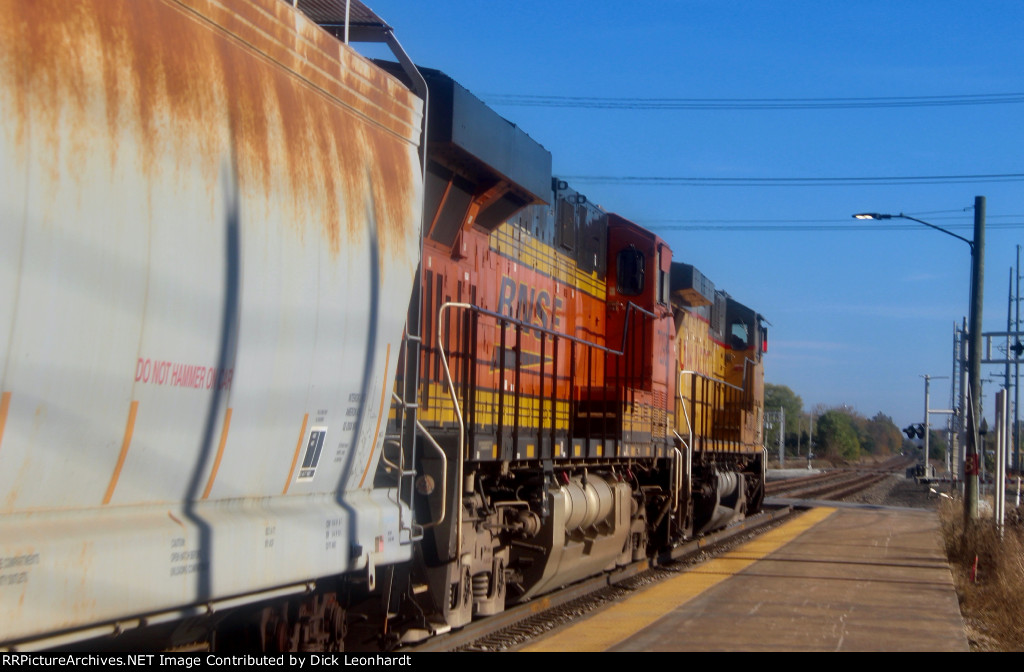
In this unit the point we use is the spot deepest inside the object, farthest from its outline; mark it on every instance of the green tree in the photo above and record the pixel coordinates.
(780, 396)
(880, 436)
(836, 435)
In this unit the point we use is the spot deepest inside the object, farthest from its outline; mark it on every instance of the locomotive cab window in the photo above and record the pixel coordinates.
(630, 271)
(663, 278)
(739, 336)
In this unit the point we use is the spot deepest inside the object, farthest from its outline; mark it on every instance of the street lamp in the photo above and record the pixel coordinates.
(977, 246)
(875, 215)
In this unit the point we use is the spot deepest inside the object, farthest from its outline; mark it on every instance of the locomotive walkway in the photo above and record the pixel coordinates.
(834, 579)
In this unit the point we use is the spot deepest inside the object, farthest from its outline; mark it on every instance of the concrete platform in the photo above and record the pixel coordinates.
(849, 579)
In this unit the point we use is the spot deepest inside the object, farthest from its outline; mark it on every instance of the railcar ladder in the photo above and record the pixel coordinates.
(404, 436)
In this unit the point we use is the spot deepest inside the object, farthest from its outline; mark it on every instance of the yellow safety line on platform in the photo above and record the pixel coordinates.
(621, 621)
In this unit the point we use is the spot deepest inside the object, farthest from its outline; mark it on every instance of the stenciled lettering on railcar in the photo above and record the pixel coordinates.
(341, 452)
(176, 374)
(21, 564)
(334, 533)
(184, 561)
(530, 305)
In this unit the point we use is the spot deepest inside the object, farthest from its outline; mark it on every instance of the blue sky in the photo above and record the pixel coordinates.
(858, 314)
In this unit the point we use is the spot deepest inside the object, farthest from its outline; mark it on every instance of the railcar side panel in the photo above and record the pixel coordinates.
(208, 210)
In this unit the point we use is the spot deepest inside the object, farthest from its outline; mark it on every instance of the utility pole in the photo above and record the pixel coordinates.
(953, 424)
(974, 363)
(977, 246)
(962, 405)
(1016, 378)
(810, 444)
(777, 418)
(782, 439)
(1002, 421)
(1006, 373)
(927, 426)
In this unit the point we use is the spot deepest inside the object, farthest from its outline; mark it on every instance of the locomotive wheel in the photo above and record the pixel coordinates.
(334, 626)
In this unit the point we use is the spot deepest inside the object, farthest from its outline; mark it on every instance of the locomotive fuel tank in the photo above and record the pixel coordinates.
(585, 534)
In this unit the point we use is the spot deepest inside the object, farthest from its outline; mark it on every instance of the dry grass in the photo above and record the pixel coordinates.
(992, 601)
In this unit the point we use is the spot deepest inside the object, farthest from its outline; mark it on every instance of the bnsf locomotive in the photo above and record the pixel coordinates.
(291, 360)
(582, 399)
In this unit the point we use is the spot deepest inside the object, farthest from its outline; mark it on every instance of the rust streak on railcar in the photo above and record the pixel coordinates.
(126, 443)
(295, 457)
(380, 416)
(220, 454)
(5, 405)
(173, 99)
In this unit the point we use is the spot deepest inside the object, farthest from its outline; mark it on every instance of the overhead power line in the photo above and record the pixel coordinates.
(664, 181)
(936, 215)
(780, 225)
(522, 100)
(811, 227)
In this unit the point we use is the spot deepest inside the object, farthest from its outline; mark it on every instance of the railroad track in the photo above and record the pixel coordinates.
(521, 623)
(834, 484)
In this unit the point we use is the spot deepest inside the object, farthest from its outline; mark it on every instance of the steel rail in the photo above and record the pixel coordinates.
(518, 613)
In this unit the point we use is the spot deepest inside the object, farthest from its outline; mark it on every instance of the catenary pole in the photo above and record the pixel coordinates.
(1016, 375)
(974, 362)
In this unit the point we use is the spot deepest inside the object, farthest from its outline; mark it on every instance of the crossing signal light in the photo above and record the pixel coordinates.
(914, 431)
(1018, 349)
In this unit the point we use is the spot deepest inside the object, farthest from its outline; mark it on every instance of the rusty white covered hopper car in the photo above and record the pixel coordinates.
(209, 226)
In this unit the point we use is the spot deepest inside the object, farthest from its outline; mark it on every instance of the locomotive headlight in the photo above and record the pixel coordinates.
(425, 484)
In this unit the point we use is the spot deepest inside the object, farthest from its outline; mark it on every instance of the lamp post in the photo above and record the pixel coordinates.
(977, 246)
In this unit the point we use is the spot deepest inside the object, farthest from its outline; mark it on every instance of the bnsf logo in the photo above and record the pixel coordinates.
(529, 304)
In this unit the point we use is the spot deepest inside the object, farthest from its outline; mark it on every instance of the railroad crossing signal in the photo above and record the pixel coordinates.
(1013, 352)
(914, 430)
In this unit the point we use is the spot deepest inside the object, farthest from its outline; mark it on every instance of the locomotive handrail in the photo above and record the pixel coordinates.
(403, 473)
(741, 388)
(689, 429)
(458, 410)
(551, 332)
(698, 374)
(630, 307)
(441, 323)
(444, 479)
(677, 475)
